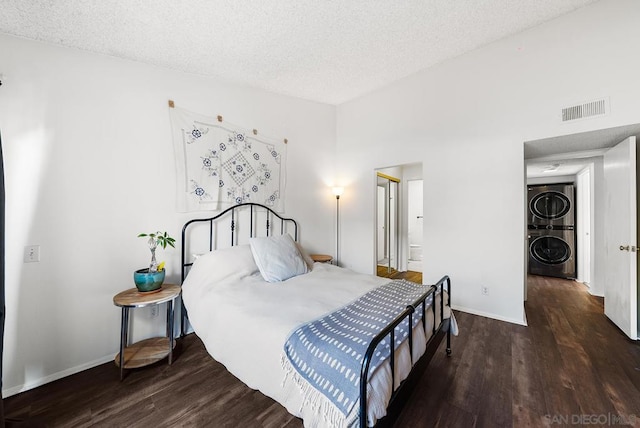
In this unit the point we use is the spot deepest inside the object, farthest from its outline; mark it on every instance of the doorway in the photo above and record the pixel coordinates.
(387, 222)
(398, 212)
(587, 153)
(415, 224)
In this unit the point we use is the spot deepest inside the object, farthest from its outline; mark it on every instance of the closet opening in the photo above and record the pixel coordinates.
(387, 222)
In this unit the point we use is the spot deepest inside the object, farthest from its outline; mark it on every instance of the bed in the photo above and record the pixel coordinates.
(250, 325)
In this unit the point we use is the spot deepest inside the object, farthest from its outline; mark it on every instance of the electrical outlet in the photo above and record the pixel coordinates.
(485, 290)
(154, 311)
(32, 253)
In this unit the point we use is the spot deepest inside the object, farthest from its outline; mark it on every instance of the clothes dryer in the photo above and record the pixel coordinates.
(552, 251)
(551, 204)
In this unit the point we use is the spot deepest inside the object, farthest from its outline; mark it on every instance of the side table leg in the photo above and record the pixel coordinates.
(170, 329)
(124, 329)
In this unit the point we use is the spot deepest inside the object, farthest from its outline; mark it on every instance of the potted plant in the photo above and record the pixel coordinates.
(151, 278)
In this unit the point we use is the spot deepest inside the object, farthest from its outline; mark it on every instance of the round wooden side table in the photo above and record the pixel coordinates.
(321, 258)
(147, 351)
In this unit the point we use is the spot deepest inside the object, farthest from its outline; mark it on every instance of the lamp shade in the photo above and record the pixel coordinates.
(338, 191)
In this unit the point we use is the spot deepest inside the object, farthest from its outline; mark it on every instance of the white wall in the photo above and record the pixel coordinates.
(466, 120)
(89, 165)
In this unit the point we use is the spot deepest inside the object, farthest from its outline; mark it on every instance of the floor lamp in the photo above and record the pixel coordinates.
(338, 191)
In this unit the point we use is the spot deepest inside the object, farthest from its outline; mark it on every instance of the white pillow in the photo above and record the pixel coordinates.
(277, 257)
(231, 262)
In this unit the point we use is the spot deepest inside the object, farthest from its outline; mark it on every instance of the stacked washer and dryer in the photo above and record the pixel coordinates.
(551, 227)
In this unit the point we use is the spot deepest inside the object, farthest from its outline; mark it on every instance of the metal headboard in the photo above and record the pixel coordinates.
(233, 215)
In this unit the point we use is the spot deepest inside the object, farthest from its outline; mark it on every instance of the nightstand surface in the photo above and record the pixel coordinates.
(135, 299)
(321, 258)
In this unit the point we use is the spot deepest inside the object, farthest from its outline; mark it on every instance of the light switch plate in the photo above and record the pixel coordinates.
(32, 253)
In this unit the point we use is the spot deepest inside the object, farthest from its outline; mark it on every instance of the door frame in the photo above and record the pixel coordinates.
(411, 202)
(585, 234)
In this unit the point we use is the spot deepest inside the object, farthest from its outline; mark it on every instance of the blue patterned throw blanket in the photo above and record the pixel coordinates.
(327, 353)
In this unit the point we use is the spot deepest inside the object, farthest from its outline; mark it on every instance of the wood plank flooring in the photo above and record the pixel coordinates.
(569, 367)
(409, 275)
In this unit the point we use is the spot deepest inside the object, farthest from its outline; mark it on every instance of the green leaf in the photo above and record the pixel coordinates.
(161, 239)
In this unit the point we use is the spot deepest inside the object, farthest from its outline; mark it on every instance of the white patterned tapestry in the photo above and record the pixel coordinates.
(219, 164)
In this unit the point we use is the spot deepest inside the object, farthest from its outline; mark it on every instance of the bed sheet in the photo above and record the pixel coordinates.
(244, 322)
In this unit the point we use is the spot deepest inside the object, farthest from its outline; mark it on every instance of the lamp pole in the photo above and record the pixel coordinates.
(337, 230)
(338, 191)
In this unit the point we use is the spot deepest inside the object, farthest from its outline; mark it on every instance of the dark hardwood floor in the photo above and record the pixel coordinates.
(569, 367)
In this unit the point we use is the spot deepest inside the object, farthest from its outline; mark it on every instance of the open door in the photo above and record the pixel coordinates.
(621, 289)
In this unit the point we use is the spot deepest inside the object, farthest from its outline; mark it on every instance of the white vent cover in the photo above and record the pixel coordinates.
(584, 110)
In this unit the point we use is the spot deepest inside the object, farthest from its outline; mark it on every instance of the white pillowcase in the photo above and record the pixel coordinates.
(277, 257)
(232, 262)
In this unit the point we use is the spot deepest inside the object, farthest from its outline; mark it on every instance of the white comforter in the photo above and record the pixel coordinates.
(245, 321)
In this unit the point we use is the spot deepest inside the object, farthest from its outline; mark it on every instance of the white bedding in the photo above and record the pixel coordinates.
(244, 322)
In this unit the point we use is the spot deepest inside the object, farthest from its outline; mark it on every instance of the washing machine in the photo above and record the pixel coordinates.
(552, 251)
(551, 204)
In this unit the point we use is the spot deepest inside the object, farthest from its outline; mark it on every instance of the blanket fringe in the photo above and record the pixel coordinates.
(316, 401)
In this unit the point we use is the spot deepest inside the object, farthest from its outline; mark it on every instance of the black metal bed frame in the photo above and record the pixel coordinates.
(389, 330)
(270, 214)
(438, 331)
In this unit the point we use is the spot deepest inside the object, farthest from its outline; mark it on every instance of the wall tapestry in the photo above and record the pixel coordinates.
(219, 164)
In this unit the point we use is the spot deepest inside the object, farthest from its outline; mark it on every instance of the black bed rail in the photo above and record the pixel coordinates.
(253, 209)
(390, 332)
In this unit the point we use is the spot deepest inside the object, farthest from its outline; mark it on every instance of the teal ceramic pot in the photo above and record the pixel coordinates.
(146, 281)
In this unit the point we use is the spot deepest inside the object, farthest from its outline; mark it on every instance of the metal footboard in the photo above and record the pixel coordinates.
(389, 331)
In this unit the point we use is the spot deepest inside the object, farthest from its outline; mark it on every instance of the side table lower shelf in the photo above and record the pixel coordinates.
(145, 352)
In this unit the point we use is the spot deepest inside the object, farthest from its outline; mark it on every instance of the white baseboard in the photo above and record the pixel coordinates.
(489, 315)
(8, 392)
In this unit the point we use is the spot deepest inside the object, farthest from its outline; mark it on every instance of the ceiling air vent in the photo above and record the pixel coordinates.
(584, 110)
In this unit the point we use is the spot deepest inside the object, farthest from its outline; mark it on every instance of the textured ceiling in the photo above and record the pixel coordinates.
(565, 155)
(549, 148)
(329, 51)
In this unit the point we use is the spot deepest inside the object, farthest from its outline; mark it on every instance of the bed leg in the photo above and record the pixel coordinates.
(449, 342)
